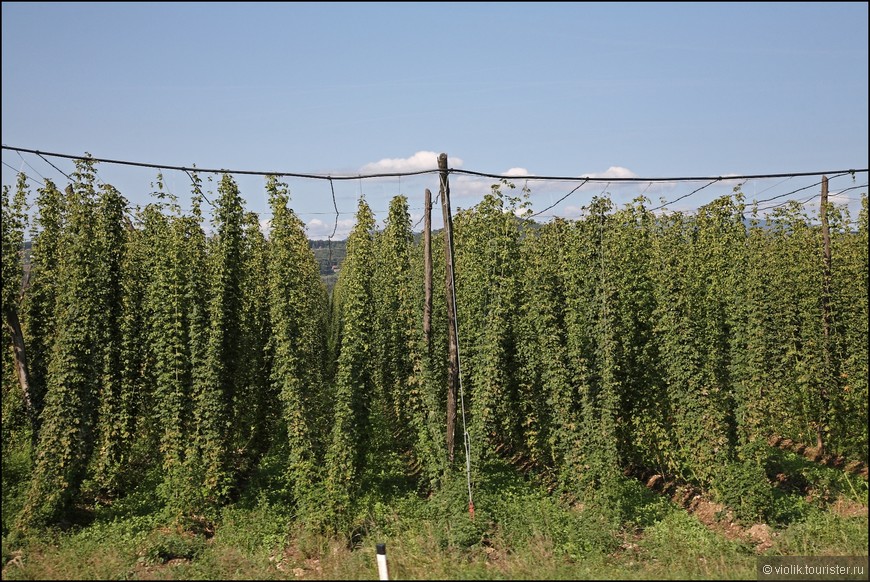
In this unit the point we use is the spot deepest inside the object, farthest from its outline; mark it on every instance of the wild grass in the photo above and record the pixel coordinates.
(519, 532)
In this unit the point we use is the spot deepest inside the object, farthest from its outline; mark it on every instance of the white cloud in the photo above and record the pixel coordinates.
(422, 160)
(467, 186)
(572, 212)
(464, 185)
(611, 172)
(845, 197)
(597, 186)
(320, 229)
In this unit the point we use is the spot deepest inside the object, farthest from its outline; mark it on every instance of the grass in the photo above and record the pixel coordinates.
(519, 532)
(678, 546)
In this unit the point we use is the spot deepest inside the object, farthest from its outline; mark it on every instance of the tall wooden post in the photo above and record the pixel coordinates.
(826, 309)
(452, 348)
(826, 241)
(19, 353)
(427, 271)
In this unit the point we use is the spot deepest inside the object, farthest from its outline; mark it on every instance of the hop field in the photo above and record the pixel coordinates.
(665, 395)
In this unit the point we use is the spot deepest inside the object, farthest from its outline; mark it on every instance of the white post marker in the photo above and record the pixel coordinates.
(382, 562)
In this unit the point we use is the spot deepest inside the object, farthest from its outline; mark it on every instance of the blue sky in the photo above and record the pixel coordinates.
(646, 90)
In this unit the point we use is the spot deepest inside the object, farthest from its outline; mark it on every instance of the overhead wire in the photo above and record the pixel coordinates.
(695, 191)
(711, 180)
(864, 185)
(180, 168)
(739, 177)
(25, 174)
(434, 202)
(819, 183)
(774, 186)
(647, 188)
(832, 194)
(55, 167)
(781, 204)
(335, 227)
(580, 185)
(194, 183)
(314, 176)
(29, 166)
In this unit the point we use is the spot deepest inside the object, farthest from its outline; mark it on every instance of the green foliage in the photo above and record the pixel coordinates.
(550, 414)
(744, 487)
(424, 399)
(114, 436)
(487, 286)
(849, 306)
(692, 295)
(395, 318)
(66, 437)
(208, 370)
(259, 531)
(255, 403)
(14, 211)
(297, 310)
(41, 297)
(592, 340)
(825, 534)
(19, 412)
(17, 466)
(216, 382)
(162, 546)
(679, 542)
(407, 392)
(183, 483)
(354, 382)
(171, 301)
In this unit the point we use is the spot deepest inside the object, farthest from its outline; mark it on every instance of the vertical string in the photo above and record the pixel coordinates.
(335, 226)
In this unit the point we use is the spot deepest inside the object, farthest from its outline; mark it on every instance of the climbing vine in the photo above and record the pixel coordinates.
(354, 378)
(66, 437)
(593, 350)
(297, 304)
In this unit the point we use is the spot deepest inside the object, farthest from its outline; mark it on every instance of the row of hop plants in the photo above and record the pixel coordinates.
(152, 347)
(156, 349)
(618, 341)
(626, 341)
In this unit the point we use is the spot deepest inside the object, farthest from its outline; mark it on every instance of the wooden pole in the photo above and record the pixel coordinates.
(826, 241)
(826, 304)
(427, 271)
(19, 354)
(452, 348)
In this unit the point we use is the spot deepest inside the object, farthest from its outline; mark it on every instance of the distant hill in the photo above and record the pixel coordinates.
(330, 256)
